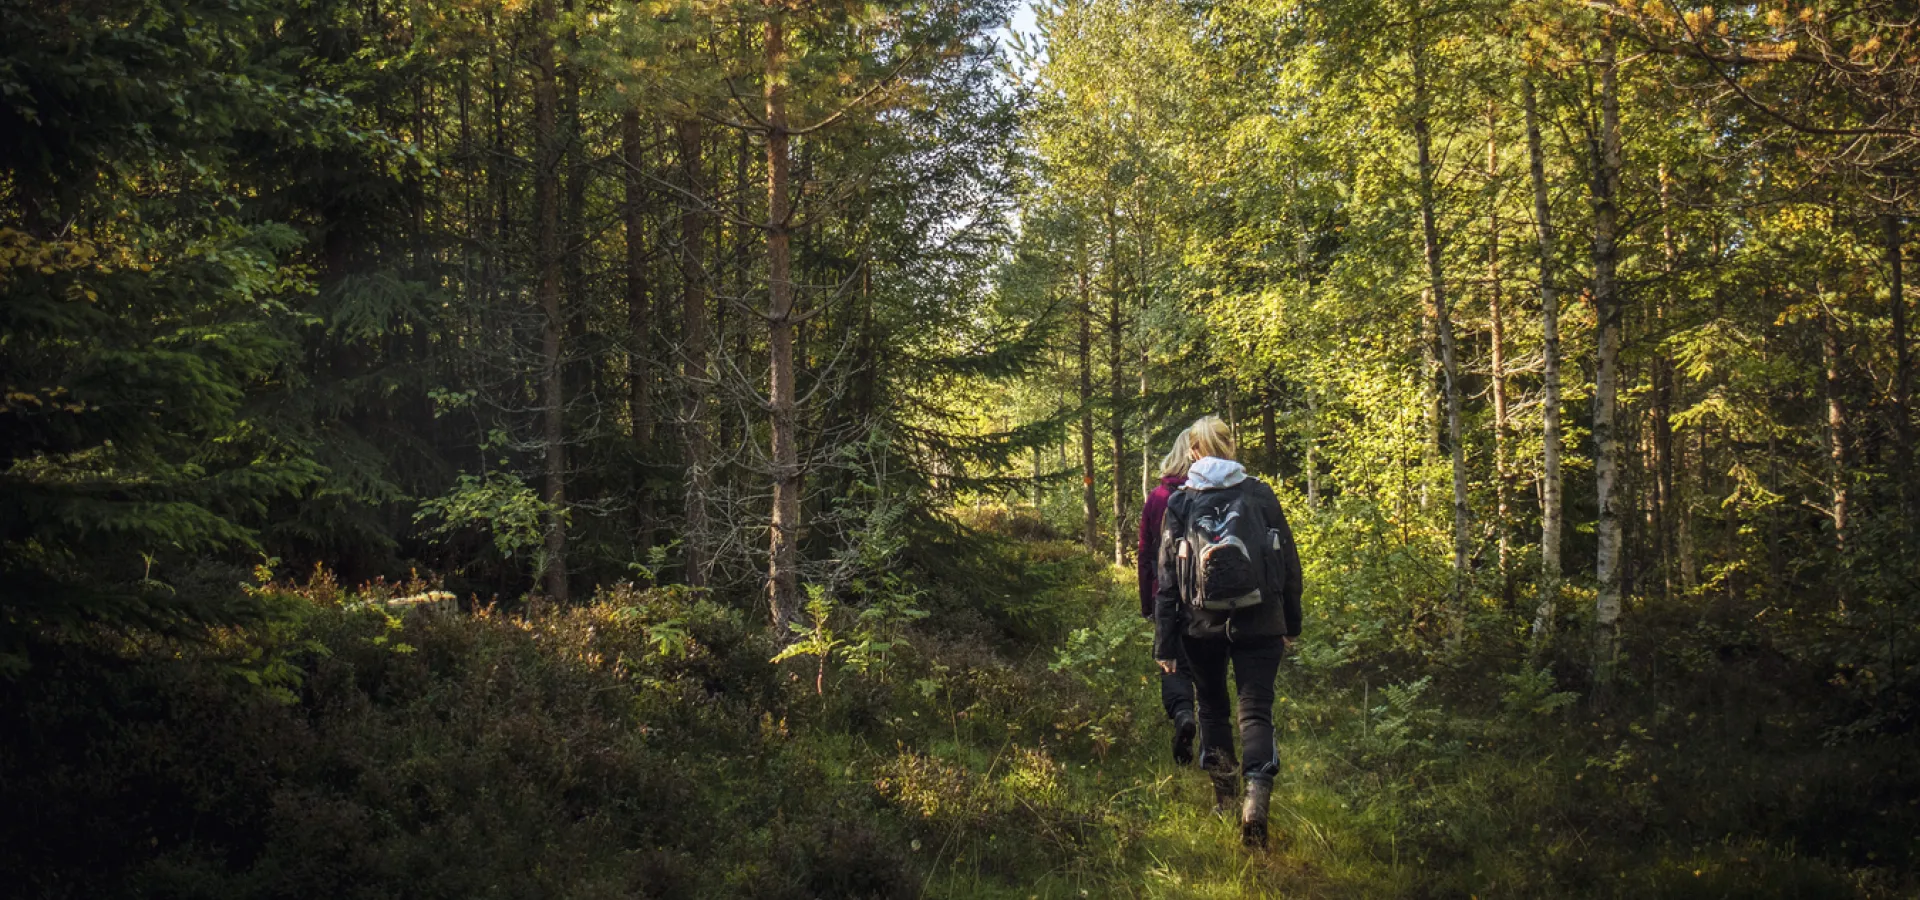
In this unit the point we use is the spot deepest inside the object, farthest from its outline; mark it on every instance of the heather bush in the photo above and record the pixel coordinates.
(617, 749)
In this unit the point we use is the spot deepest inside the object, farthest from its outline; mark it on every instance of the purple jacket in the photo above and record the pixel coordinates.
(1147, 555)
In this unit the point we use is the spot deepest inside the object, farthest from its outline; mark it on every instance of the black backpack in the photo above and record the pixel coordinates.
(1226, 550)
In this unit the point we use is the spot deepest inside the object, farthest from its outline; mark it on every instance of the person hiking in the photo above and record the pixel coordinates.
(1176, 687)
(1228, 593)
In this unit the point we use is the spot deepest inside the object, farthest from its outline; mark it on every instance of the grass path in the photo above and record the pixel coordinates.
(1129, 822)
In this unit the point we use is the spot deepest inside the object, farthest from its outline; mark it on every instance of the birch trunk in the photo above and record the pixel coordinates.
(1496, 316)
(1606, 382)
(1550, 483)
(1836, 423)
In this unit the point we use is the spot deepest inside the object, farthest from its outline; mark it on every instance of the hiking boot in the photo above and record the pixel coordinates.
(1183, 731)
(1225, 774)
(1253, 814)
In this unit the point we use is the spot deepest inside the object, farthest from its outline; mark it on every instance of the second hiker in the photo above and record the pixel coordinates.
(1176, 685)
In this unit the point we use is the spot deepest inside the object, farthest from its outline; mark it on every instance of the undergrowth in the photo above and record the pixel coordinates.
(988, 735)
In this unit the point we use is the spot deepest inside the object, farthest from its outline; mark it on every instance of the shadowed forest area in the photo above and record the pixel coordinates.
(694, 448)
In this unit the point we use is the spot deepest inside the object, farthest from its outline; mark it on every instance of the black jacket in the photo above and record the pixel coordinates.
(1278, 613)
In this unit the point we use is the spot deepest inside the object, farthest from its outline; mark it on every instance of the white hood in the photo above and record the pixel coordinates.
(1211, 472)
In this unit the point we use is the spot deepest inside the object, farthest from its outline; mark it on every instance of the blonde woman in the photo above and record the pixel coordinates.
(1176, 685)
(1228, 594)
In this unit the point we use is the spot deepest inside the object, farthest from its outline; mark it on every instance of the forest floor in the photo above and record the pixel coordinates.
(1715, 770)
(1005, 741)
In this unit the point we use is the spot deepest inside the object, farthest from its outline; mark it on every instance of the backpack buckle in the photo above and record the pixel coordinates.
(1232, 603)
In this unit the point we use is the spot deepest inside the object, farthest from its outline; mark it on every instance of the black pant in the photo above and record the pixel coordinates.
(1176, 687)
(1256, 662)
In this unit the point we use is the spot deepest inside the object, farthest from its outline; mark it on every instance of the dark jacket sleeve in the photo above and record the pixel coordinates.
(1146, 557)
(1289, 564)
(1169, 614)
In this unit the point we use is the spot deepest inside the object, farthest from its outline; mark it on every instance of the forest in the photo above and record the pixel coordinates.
(695, 448)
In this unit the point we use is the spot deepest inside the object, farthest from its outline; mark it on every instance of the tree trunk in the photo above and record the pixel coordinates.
(866, 392)
(1147, 474)
(783, 579)
(578, 374)
(1894, 238)
(742, 280)
(1443, 326)
(471, 179)
(1430, 393)
(1269, 433)
(1634, 516)
(494, 208)
(1685, 491)
(1775, 543)
(639, 322)
(1039, 484)
(639, 318)
(1550, 504)
(1668, 511)
(547, 253)
(1606, 381)
(1117, 394)
(1312, 460)
(1089, 501)
(1144, 232)
(1836, 422)
(1503, 473)
(690, 135)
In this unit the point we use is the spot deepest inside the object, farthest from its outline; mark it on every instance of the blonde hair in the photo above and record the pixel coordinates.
(1178, 459)
(1209, 436)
